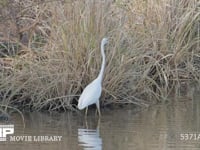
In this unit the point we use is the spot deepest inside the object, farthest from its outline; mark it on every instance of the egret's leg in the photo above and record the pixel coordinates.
(98, 124)
(86, 110)
(98, 108)
(96, 111)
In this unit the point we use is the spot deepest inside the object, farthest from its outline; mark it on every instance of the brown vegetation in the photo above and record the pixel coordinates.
(50, 50)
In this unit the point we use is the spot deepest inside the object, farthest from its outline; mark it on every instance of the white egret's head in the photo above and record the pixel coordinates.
(104, 41)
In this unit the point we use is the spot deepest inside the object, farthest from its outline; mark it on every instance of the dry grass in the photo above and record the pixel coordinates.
(154, 47)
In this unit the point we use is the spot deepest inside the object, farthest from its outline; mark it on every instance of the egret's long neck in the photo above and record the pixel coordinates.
(100, 76)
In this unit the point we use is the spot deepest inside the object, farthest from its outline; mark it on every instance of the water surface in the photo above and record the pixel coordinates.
(160, 127)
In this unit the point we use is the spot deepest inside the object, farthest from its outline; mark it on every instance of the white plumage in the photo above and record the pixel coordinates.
(92, 92)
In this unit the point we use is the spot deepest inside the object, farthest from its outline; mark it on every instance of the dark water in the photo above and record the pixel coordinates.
(161, 127)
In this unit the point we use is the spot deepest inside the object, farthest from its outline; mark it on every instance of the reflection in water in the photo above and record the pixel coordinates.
(89, 139)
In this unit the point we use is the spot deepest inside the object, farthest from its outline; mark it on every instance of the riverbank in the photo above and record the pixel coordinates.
(50, 51)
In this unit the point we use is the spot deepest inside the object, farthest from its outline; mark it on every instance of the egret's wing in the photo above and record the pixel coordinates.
(90, 95)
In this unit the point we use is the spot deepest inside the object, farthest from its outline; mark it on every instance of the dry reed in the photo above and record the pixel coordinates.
(154, 47)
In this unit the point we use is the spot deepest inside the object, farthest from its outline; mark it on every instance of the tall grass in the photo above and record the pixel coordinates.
(154, 47)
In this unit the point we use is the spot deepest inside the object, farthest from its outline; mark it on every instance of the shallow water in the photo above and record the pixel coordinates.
(161, 127)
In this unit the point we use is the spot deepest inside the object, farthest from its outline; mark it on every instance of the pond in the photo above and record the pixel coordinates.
(170, 126)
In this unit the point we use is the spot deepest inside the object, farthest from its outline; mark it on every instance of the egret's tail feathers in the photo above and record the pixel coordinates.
(80, 105)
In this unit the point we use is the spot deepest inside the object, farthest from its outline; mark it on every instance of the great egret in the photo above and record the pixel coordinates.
(92, 92)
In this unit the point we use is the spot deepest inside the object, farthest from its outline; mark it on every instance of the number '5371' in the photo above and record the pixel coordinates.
(189, 136)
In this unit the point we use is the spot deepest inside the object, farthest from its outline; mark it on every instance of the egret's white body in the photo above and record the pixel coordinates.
(92, 92)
